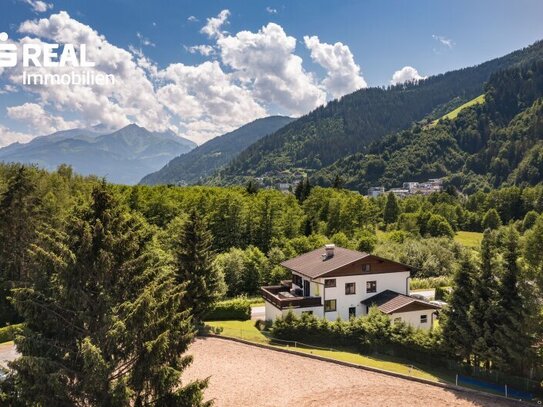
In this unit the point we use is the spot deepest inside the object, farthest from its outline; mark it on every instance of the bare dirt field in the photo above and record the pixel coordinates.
(244, 375)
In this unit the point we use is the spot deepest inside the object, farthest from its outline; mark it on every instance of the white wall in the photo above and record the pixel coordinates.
(386, 281)
(413, 318)
(272, 312)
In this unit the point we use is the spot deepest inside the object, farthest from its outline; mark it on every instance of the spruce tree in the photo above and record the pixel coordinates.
(457, 330)
(392, 209)
(512, 337)
(105, 323)
(194, 266)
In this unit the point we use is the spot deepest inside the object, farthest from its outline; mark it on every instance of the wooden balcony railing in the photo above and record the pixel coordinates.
(273, 295)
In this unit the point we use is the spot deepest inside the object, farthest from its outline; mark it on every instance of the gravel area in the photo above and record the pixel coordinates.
(244, 375)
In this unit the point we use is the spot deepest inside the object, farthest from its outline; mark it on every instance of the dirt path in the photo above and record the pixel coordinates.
(243, 375)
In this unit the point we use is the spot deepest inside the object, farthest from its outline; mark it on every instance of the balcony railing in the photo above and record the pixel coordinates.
(280, 297)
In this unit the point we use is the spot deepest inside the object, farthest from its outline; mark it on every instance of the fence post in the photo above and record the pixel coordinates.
(457, 379)
(505, 390)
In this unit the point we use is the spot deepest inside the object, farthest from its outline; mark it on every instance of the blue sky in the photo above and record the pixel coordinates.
(378, 37)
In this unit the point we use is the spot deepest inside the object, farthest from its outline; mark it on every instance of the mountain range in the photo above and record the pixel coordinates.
(318, 142)
(123, 156)
(204, 160)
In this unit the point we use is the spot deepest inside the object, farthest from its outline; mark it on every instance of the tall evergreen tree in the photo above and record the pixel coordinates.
(512, 334)
(303, 189)
(484, 315)
(20, 218)
(194, 266)
(392, 209)
(457, 330)
(105, 321)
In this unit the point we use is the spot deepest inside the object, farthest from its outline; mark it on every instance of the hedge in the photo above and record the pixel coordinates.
(9, 332)
(235, 309)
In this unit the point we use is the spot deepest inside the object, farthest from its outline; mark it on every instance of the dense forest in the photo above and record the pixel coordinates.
(487, 145)
(358, 119)
(86, 265)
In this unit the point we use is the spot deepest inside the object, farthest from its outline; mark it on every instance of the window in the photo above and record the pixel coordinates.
(371, 286)
(423, 319)
(350, 288)
(297, 280)
(366, 268)
(352, 312)
(329, 305)
(331, 282)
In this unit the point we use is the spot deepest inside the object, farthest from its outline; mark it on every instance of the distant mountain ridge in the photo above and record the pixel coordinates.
(122, 156)
(349, 125)
(204, 160)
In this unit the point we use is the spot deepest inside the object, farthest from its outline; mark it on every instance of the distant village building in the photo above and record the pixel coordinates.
(400, 192)
(374, 192)
(334, 282)
(284, 187)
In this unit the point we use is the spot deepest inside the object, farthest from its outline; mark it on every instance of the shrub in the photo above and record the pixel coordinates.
(9, 332)
(430, 282)
(234, 309)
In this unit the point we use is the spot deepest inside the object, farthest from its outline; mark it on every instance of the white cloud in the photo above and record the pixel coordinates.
(266, 62)
(213, 27)
(205, 50)
(192, 19)
(8, 137)
(443, 40)
(131, 98)
(38, 120)
(343, 74)
(271, 10)
(144, 40)
(406, 74)
(39, 6)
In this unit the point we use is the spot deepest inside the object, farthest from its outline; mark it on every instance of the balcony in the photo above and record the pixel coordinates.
(281, 297)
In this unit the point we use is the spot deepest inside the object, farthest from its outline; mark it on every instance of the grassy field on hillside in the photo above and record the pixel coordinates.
(469, 239)
(451, 115)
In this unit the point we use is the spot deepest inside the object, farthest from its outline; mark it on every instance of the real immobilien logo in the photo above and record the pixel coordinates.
(52, 56)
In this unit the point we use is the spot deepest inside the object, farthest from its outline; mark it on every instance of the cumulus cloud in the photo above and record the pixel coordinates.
(406, 74)
(192, 19)
(443, 40)
(213, 27)
(8, 137)
(145, 41)
(265, 60)
(271, 10)
(205, 50)
(343, 74)
(39, 6)
(38, 120)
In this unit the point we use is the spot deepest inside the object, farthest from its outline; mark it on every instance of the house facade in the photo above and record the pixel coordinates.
(337, 282)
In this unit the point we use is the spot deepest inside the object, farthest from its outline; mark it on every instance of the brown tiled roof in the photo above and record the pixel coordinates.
(389, 302)
(313, 264)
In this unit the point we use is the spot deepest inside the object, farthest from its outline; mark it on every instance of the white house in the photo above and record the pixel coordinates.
(336, 282)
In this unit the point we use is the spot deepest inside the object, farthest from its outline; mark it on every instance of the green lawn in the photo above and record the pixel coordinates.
(469, 239)
(246, 330)
(451, 115)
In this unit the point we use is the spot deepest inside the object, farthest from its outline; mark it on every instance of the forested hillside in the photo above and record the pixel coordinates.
(348, 125)
(204, 160)
(485, 145)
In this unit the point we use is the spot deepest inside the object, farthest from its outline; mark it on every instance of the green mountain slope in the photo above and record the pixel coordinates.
(349, 125)
(206, 159)
(499, 142)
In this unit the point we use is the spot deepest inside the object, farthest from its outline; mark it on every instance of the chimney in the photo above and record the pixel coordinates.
(329, 250)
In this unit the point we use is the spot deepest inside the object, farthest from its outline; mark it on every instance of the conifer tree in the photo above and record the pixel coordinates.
(457, 331)
(392, 209)
(105, 321)
(512, 334)
(194, 266)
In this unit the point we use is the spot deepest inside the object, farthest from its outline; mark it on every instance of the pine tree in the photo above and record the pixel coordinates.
(512, 337)
(105, 321)
(457, 331)
(491, 220)
(484, 315)
(194, 266)
(392, 209)
(20, 219)
(302, 190)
